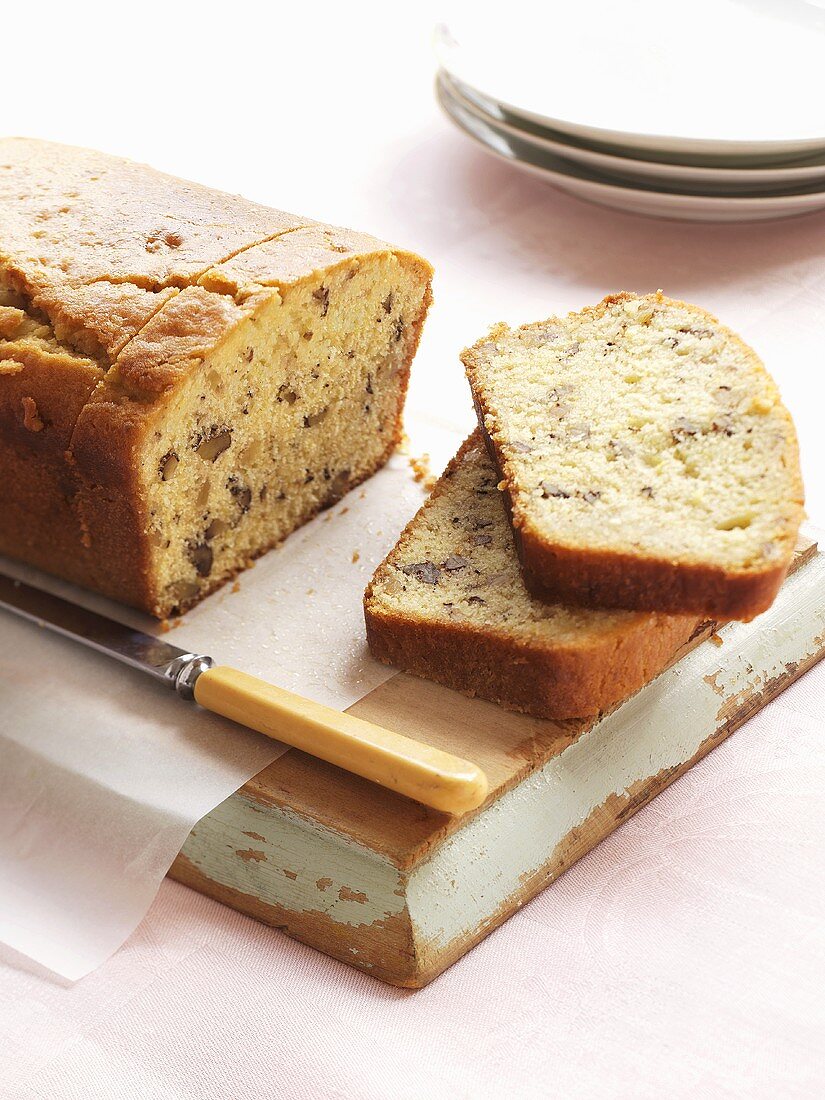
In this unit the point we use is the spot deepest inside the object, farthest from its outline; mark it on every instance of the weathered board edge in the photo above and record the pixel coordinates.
(392, 950)
(604, 820)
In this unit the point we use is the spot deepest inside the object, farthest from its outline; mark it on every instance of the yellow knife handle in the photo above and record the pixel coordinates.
(436, 778)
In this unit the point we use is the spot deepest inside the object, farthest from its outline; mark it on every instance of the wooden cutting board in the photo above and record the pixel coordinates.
(402, 891)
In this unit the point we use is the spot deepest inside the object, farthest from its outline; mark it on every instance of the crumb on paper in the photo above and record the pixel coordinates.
(236, 586)
(404, 446)
(344, 510)
(310, 591)
(164, 626)
(362, 495)
(355, 556)
(717, 639)
(422, 471)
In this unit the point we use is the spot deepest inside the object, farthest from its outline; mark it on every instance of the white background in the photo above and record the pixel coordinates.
(686, 955)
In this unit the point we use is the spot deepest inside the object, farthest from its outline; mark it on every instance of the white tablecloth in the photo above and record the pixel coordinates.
(686, 955)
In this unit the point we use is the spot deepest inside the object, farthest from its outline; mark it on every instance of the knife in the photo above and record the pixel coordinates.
(411, 768)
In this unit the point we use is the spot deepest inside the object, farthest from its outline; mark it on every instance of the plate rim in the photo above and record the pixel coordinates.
(606, 189)
(583, 153)
(445, 46)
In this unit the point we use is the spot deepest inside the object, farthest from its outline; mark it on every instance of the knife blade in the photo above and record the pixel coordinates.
(419, 771)
(160, 659)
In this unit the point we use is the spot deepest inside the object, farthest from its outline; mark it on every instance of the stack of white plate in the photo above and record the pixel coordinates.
(712, 110)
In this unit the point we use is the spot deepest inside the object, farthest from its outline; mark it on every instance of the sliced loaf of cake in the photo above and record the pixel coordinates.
(449, 604)
(647, 459)
(185, 376)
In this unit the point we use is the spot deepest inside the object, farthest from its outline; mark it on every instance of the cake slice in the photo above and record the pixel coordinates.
(647, 459)
(449, 604)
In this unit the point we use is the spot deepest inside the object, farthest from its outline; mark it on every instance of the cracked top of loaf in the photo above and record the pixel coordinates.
(98, 244)
(103, 250)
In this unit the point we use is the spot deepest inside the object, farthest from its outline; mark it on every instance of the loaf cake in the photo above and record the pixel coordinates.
(647, 459)
(449, 604)
(185, 376)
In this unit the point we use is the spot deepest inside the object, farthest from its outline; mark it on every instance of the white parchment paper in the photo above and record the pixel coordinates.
(103, 773)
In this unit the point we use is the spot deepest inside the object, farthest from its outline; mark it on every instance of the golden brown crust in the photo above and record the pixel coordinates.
(534, 677)
(165, 350)
(562, 683)
(557, 573)
(601, 579)
(144, 274)
(100, 319)
(288, 258)
(38, 516)
(74, 218)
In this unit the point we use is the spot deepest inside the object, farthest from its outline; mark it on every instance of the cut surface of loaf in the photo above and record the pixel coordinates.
(449, 604)
(648, 460)
(185, 376)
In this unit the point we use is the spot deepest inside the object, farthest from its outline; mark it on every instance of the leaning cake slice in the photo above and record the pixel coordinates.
(648, 461)
(449, 604)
